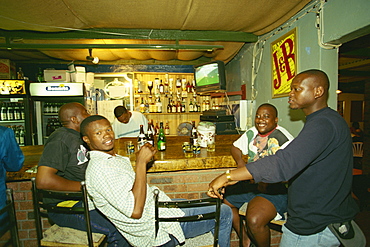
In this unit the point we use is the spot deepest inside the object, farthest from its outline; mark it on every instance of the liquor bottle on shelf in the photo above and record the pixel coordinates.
(174, 107)
(23, 114)
(156, 85)
(178, 107)
(170, 85)
(178, 84)
(167, 128)
(156, 128)
(169, 106)
(191, 106)
(183, 84)
(16, 134)
(149, 134)
(141, 139)
(166, 84)
(161, 87)
(161, 142)
(183, 105)
(159, 105)
(142, 106)
(189, 87)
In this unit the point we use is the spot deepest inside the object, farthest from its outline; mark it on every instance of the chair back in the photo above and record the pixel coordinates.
(8, 220)
(189, 204)
(41, 209)
(357, 148)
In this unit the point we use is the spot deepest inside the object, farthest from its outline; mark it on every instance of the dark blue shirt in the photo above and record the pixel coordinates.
(11, 159)
(318, 164)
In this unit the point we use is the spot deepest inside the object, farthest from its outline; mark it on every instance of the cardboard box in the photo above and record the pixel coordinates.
(7, 69)
(56, 75)
(79, 75)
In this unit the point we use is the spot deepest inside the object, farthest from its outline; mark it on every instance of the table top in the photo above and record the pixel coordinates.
(173, 159)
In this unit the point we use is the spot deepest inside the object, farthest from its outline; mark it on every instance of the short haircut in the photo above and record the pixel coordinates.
(269, 105)
(319, 74)
(119, 110)
(85, 123)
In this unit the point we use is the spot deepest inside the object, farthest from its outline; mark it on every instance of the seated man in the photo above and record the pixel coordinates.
(127, 123)
(265, 201)
(124, 196)
(62, 167)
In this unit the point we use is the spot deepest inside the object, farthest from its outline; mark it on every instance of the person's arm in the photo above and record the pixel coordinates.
(237, 154)
(139, 188)
(14, 158)
(47, 179)
(223, 180)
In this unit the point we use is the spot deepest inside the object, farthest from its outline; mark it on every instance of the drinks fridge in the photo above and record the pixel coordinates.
(15, 110)
(47, 98)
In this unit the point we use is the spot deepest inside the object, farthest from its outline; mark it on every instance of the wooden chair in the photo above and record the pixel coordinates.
(189, 204)
(9, 222)
(63, 236)
(357, 148)
(274, 224)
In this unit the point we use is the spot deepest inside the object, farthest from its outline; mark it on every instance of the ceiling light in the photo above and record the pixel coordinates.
(94, 60)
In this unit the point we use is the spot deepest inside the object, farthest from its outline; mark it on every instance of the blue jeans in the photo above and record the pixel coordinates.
(99, 224)
(324, 238)
(195, 228)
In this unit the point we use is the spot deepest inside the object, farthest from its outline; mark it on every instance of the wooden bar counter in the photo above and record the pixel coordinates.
(173, 159)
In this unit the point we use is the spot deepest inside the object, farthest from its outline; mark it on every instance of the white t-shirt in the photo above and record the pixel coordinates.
(132, 128)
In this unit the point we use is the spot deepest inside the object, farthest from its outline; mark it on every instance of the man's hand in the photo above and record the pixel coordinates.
(145, 154)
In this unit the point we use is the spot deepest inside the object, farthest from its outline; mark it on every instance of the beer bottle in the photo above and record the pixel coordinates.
(161, 142)
(149, 134)
(193, 134)
(141, 140)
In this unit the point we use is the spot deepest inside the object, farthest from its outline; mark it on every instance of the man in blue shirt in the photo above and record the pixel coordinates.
(11, 159)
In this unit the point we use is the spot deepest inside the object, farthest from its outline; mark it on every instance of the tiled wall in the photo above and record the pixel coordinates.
(185, 184)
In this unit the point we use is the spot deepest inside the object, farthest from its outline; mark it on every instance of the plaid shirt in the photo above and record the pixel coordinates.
(109, 181)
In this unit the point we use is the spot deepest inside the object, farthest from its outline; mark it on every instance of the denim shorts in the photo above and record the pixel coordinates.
(280, 201)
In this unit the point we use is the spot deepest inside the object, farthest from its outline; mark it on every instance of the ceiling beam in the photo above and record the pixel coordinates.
(133, 34)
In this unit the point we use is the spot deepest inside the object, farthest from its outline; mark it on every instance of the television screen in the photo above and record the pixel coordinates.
(210, 77)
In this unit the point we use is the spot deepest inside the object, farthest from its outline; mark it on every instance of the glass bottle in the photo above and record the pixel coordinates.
(149, 134)
(142, 106)
(161, 87)
(161, 142)
(21, 135)
(178, 83)
(193, 135)
(159, 105)
(10, 112)
(191, 106)
(174, 107)
(169, 106)
(4, 110)
(20, 74)
(167, 128)
(40, 75)
(141, 139)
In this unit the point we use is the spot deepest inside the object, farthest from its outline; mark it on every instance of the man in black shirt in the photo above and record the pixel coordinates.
(318, 164)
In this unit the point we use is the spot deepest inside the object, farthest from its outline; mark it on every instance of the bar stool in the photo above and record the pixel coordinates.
(9, 222)
(63, 236)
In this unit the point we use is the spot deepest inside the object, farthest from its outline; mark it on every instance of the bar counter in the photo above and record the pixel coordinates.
(173, 159)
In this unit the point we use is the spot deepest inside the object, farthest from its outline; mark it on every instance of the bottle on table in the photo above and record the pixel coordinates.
(193, 134)
(149, 134)
(141, 139)
(161, 141)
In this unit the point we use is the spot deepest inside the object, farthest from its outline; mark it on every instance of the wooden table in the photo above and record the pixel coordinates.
(173, 159)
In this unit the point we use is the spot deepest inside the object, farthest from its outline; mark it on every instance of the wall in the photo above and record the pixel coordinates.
(338, 23)
(347, 98)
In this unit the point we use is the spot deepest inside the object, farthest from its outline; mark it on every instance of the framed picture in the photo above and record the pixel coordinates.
(284, 63)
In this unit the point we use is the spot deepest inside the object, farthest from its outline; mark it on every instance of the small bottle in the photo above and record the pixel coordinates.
(149, 134)
(193, 134)
(10, 112)
(178, 83)
(4, 110)
(189, 87)
(191, 106)
(141, 139)
(21, 136)
(159, 105)
(167, 129)
(40, 75)
(142, 106)
(161, 142)
(161, 87)
(20, 74)
(183, 84)
(169, 106)
(174, 107)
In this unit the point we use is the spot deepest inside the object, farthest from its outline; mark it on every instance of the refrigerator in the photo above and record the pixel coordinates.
(16, 110)
(46, 99)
